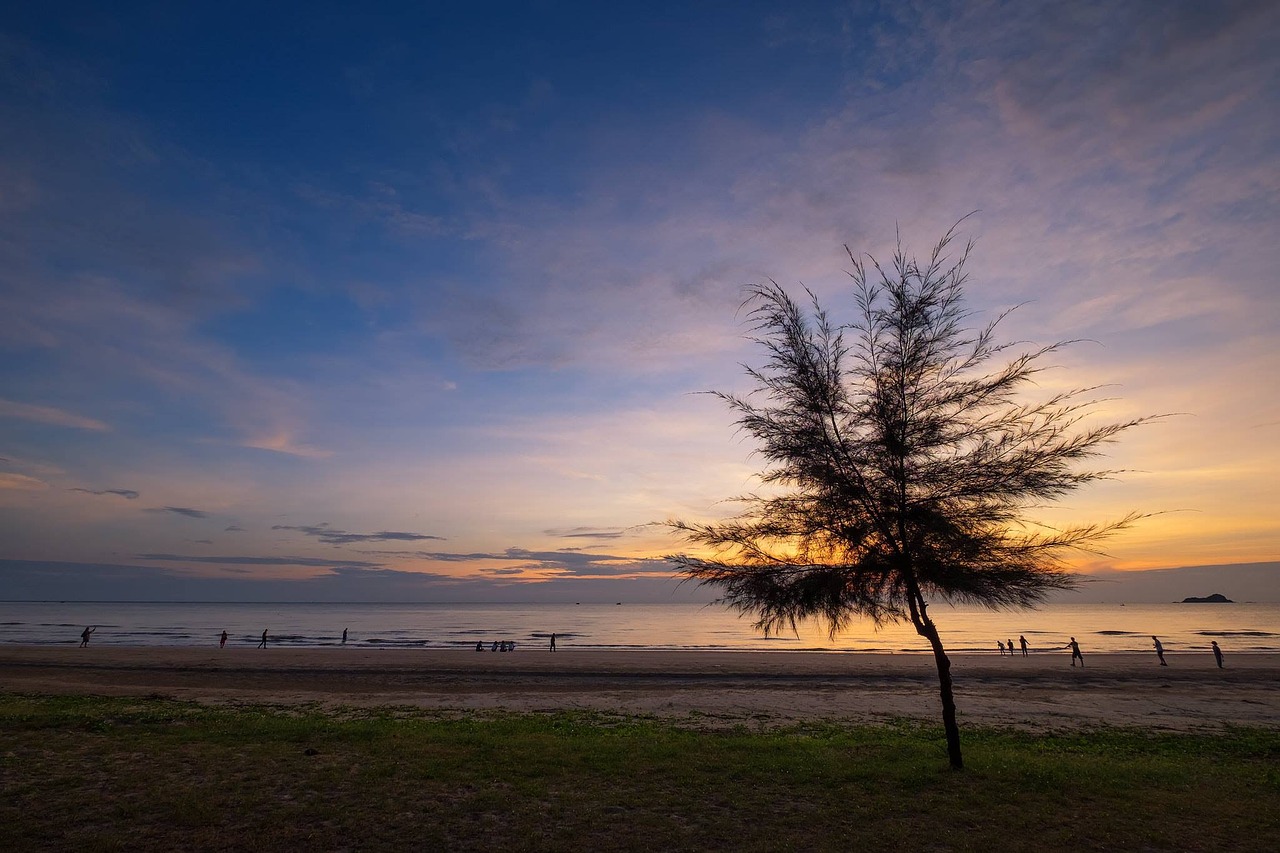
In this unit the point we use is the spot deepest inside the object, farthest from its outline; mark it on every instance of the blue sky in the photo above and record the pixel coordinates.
(414, 301)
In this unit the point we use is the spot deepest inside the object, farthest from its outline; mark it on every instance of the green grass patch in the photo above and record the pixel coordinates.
(156, 774)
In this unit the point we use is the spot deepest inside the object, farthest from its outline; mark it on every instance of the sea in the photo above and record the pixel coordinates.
(1099, 628)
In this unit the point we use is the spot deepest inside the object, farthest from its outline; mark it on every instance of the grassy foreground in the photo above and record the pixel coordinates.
(155, 774)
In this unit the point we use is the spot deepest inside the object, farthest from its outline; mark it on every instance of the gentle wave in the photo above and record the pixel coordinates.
(1099, 628)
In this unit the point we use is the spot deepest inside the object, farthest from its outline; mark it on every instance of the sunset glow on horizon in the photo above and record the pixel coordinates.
(403, 305)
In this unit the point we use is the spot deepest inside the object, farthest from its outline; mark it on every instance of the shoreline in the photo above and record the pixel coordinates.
(1040, 692)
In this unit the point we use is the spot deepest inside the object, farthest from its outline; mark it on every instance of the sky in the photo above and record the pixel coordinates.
(418, 301)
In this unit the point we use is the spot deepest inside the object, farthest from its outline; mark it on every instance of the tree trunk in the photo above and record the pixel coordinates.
(925, 628)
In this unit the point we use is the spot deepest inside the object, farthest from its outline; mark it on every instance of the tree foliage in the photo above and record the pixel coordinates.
(903, 458)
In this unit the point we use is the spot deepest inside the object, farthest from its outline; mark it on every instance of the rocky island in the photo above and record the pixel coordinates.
(1216, 598)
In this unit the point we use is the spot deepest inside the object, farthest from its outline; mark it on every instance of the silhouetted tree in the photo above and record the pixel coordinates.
(901, 463)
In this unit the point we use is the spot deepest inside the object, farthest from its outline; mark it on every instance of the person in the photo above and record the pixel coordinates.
(479, 645)
(86, 634)
(1075, 652)
(222, 641)
(1010, 642)
(1022, 641)
(1159, 650)
(344, 636)
(553, 642)
(1217, 653)
(263, 644)
(494, 648)
(1000, 643)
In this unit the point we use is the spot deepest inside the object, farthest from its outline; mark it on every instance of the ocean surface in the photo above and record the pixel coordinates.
(1098, 627)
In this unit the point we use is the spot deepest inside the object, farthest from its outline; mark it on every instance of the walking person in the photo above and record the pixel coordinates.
(1075, 652)
(1022, 641)
(1010, 648)
(1217, 653)
(344, 636)
(1000, 643)
(86, 634)
(553, 642)
(222, 641)
(1159, 650)
(263, 644)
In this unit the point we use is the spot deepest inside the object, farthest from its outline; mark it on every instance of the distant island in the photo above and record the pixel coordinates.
(1216, 598)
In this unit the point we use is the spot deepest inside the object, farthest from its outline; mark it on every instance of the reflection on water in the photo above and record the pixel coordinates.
(1098, 627)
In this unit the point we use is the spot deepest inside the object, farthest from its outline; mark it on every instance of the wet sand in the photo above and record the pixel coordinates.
(1040, 692)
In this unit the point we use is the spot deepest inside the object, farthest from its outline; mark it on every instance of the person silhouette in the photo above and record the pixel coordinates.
(1217, 653)
(1010, 642)
(1075, 652)
(553, 642)
(1159, 650)
(479, 645)
(263, 644)
(1022, 641)
(222, 641)
(344, 636)
(1000, 643)
(86, 634)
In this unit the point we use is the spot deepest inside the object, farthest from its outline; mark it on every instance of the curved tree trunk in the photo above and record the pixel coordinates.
(925, 628)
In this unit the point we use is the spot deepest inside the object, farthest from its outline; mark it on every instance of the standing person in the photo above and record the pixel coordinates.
(263, 644)
(222, 641)
(1075, 652)
(1022, 641)
(1217, 653)
(1159, 650)
(553, 642)
(344, 636)
(86, 634)
(1010, 642)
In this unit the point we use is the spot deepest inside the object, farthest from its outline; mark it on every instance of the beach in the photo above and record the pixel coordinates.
(1041, 692)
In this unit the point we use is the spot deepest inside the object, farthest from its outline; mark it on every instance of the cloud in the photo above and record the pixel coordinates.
(586, 533)
(127, 494)
(309, 562)
(551, 563)
(21, 483)
(182, 510)
(285, 442)
(49, 415)
(333, 536)
(233, 528)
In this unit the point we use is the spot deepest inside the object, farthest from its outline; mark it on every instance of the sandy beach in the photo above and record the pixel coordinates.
(1040, 692)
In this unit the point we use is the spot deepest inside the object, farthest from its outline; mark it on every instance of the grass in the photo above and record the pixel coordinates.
(155, 774)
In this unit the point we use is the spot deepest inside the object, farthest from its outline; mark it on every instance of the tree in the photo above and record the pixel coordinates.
(901, 464)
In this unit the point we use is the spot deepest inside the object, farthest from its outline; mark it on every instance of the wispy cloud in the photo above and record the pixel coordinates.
(333, 536)
(285, 442)
(127, 494)
(240, 560)
(546, 564)
(586, 533)
(188, 512)
(21, 483)
(49, 415)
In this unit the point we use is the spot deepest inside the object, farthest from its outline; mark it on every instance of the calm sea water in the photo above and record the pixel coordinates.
(1098, 627)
